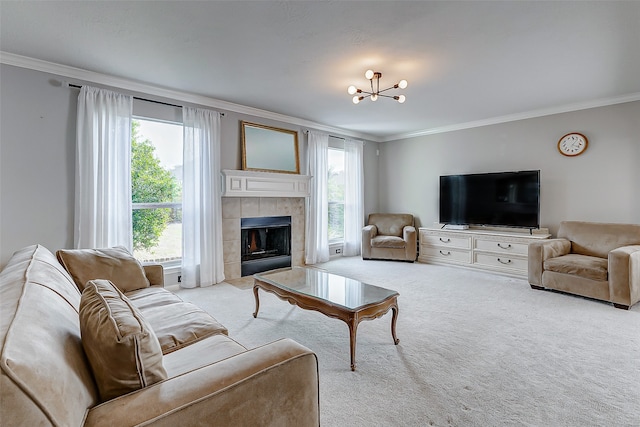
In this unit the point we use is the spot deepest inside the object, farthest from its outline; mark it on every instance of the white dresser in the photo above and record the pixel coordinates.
(482, 248)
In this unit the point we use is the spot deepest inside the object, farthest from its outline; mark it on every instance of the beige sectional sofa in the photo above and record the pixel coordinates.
(185, 369)
(595, 260)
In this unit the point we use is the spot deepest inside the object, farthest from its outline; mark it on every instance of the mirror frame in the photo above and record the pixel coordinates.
(257, 138)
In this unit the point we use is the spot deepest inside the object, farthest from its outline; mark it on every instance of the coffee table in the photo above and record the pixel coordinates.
(335, 296)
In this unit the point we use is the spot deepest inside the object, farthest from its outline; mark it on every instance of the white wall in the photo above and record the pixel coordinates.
(37, 139)
(602, 184)
(37, 158)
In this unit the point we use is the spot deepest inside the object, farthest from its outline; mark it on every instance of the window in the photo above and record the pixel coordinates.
(156, 184)
(336, 194)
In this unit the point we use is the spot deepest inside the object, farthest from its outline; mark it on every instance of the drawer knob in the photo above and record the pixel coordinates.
(447, 240)
(504, 262)
(445, 253)
(504, 247)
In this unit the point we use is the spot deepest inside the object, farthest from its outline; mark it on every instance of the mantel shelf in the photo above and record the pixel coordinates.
(239, 183)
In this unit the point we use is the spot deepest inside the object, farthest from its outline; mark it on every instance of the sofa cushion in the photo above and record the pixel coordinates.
(176, 323)
(390, 224)
(598, 239)
(589, 267)
(114, 264)
(204, 352)
(388, 242)
(123, 351)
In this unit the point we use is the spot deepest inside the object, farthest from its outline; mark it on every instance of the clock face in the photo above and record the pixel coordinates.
(572, 144)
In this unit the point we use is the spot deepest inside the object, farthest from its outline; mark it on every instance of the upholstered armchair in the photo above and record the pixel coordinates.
(595, 260)
(389, 236)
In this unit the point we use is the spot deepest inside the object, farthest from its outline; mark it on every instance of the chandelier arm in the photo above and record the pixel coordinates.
(389, 88)
(387, 96)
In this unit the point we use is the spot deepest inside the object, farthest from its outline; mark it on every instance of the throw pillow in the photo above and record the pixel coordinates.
(114, 264)
(123, 351)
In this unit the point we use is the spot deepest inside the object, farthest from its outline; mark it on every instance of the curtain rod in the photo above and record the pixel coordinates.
(306, 132)
(143, 99)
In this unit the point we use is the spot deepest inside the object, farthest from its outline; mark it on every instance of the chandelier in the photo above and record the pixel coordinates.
(374, 79)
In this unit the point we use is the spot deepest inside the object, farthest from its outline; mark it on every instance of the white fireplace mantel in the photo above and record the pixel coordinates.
(264, 184)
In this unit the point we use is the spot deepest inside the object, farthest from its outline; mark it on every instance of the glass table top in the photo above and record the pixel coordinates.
(339, 290)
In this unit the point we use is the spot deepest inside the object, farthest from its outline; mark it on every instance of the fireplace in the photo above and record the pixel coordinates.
(265, 243)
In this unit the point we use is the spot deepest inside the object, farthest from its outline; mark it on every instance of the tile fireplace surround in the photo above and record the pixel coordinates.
(235, 208)
(249, 194)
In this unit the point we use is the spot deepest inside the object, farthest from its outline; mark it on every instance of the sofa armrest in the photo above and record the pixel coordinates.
(410, 237)
(541, 251)
(624, 275)
(276, 384)
(154, 273)
(368, 233)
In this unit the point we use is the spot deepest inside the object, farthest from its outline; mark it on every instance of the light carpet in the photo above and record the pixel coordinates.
(476, 349)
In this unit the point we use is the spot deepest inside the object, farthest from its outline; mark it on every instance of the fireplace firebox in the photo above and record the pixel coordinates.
(266, 244)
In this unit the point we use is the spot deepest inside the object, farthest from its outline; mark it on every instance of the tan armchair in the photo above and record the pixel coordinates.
(389, 236)
(595, 260)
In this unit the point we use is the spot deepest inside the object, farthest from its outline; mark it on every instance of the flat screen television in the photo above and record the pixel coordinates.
(505, 199)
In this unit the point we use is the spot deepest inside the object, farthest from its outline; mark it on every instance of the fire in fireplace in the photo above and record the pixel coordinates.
(266, 243)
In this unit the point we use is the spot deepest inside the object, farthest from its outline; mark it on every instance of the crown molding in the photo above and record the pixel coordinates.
(519, 116)
(135, 86)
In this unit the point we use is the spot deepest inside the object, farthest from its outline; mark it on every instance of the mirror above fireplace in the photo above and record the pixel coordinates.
(269, 149)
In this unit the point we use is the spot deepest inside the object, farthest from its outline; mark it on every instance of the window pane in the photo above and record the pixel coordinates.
(336, 194)
(161, 232)
(156, 177)
(336, 221)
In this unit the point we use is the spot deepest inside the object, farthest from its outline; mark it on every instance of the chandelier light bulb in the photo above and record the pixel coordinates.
(403, 84)
(369, 74)
(401, 99)
(352, 89)
(356, 99)
(374, 97)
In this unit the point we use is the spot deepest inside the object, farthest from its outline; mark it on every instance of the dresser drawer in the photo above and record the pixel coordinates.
(501, 261)
(446, 241)
(446, 255)
(501, 247)
(500, 251)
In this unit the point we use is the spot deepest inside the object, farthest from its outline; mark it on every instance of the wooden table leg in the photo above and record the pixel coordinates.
(393, 324)
(255, 294)
(353, 327)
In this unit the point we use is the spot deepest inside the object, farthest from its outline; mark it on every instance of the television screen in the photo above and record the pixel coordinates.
(508, 199)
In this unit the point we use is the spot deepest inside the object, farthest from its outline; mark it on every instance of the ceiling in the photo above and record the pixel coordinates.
(467, 63)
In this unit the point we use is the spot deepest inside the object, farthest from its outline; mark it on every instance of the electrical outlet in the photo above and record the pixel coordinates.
(179, 279)
(338, 250)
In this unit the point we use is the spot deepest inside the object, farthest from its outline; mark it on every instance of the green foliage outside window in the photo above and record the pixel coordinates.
(150, 183)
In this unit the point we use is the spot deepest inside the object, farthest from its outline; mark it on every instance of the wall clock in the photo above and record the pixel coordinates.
(572, 144)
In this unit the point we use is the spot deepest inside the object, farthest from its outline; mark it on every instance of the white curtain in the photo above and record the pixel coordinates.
(317, 238)
(103, 170)
(353, 197)
(202, 257)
